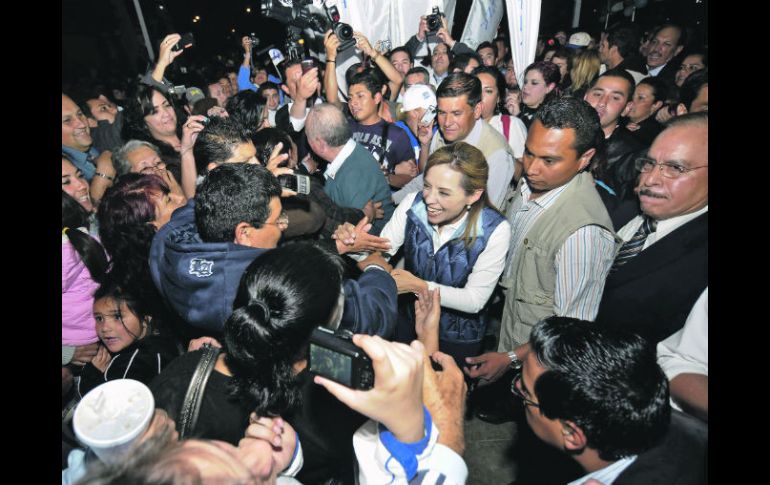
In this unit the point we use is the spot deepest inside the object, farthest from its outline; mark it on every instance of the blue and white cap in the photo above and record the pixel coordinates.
(418, 96)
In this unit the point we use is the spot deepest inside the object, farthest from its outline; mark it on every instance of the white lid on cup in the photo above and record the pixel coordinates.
(112, 415)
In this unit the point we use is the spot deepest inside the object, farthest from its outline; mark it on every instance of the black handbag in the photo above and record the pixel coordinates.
(188, 415)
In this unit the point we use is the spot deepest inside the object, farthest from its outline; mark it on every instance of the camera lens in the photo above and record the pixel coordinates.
(433, 22)
(344, 32)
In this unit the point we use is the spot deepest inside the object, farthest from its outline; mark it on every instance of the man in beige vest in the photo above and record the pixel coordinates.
(562, 243)
(459, 119)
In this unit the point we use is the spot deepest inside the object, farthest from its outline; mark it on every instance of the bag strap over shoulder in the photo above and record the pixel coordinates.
(188, 416)
(506, 125)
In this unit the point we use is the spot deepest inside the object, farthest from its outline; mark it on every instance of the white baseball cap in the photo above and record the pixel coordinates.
(578, 40)
(418, 96)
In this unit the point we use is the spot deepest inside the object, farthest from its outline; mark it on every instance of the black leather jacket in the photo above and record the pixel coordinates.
(620, 173)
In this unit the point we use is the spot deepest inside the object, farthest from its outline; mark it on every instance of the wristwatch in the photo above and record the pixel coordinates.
(516, 363)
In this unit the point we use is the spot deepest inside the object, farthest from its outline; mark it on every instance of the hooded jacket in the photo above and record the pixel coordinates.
(199, 280)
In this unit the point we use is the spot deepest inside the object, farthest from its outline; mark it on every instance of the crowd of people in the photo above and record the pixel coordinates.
(543, 244)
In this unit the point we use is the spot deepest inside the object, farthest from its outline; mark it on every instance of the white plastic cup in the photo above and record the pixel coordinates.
(112, 416)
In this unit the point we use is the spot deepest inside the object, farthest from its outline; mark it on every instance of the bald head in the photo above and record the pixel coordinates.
(326, 122)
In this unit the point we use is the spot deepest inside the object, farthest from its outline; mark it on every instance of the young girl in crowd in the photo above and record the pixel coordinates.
(131, 345)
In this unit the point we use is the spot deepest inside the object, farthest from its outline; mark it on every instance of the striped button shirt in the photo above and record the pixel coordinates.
(581, 264)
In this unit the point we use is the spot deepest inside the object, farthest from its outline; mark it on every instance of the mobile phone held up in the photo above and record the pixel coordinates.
(185, 42)
(430, 114)
(334, 355)
(307, 64)
(298, 183)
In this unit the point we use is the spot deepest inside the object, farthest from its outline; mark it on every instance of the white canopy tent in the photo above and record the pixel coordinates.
(523, 27)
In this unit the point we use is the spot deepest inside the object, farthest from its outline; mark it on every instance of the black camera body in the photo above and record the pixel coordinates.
(334, 355)
(343, 31)
(434, 20)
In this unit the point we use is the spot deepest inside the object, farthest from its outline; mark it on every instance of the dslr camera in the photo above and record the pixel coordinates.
(434, 20)
(334, 355)
(343, 31)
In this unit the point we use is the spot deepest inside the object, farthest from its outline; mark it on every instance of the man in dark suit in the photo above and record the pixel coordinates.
(667, 42)
(662, 267)
(599, 395)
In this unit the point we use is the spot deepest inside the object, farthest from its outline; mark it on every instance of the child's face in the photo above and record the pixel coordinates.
(116, 326)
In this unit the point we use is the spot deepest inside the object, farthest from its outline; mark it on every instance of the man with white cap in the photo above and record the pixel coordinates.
(578, 41)
(458, 110)
(419, 102)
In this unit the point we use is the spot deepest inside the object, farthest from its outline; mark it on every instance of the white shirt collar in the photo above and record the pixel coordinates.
(670, 225)
(543, 201)
(656, 70)
(333, 168)
(609, 473)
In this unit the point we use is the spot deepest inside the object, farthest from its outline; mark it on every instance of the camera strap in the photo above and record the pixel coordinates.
(188, 415)
(384, 142)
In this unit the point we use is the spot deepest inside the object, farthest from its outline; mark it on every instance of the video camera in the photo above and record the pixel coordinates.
(299, 15)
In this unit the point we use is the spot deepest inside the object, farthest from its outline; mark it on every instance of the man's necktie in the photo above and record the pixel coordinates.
(634, 246)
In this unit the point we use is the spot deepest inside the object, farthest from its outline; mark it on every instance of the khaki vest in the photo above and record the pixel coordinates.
(489, 142)
(532, 282)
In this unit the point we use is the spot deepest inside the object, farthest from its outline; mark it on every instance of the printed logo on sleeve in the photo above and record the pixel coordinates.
(202, 268)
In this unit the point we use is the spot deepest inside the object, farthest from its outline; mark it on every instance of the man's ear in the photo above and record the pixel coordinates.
(678, 50)
(573, 436)
(627, 109)
(681, 109)
(242, 233)
(585, 158)
(211, 166)
(477, 110)
(656, 106)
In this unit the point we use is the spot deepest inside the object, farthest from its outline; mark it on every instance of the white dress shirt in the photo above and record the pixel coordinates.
(481, 282)
(336, 164)
(609, 473)
(299, 123)
(662, 229)
(687, 351)
(517, 133)
(655, 70)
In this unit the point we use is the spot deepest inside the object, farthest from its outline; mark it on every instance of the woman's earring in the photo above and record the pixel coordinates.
(468, 207)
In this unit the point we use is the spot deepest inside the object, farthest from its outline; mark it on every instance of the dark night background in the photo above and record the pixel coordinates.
(103, 37)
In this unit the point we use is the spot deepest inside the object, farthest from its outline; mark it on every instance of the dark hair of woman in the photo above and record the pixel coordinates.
(73, 216)
(265, 141)
(499, 82)
(126, 214)
(284, 294)
(140, 105)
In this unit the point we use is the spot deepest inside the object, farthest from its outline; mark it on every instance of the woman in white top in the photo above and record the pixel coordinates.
(453, 239)
(492, 102)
